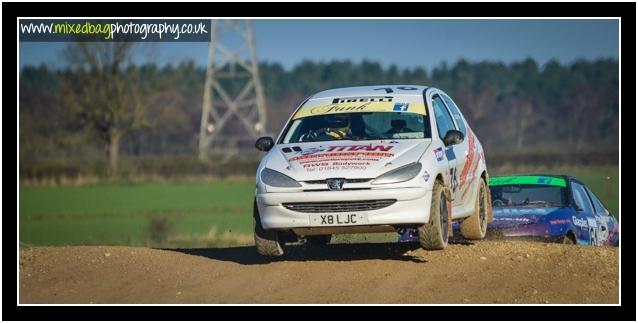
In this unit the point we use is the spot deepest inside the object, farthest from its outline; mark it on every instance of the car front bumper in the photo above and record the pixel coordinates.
(411, 207)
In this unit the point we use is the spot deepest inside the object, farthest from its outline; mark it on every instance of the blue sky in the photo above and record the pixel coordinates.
(405, 43)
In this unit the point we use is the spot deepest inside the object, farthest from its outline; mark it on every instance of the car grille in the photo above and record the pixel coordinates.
(349, 180)
(338, 206)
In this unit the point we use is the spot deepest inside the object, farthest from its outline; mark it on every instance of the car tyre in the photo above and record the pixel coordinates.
(475, 226)
(433, 235)
(266, 241)
(569, 238)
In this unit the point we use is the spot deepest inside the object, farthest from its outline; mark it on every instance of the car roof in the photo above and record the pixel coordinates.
(385, 98)
(372, 90)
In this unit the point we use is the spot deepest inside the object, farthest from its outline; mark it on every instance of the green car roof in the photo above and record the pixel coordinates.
(527, 179)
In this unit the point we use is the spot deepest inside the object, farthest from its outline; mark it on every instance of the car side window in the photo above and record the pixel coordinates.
(455, 113)
(598, 205)
(580, 196)
(444, 122)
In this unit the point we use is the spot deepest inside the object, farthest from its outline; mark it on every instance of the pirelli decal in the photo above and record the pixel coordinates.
(368, 99)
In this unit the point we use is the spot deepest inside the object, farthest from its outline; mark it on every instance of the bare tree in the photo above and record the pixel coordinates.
(106, 92)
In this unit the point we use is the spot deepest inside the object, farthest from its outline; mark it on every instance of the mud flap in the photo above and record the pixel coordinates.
(448, 197)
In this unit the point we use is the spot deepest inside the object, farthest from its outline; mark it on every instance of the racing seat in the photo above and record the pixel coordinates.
(398, 126)
(357, 126)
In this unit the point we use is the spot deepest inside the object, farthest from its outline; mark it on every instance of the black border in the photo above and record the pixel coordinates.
(628, 20)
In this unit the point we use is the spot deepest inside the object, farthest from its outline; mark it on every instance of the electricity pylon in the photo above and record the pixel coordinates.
(234, 108)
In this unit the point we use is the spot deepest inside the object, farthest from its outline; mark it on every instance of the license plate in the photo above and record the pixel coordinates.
(337, 219)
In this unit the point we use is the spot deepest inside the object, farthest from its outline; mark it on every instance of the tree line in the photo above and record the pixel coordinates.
(101, 108)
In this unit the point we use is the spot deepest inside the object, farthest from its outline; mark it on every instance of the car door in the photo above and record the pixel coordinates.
(454, 153)
(585, 213)
(469, 150)
(607, 224)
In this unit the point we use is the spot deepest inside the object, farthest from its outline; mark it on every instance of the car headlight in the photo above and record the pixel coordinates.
(401, 174)
(276, 179)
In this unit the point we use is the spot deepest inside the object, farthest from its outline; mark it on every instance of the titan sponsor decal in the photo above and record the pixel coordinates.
(314, 150)
(359, 147)
(348, 157)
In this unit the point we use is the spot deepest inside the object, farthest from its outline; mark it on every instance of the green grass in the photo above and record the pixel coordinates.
(135, 214)
(183, 214)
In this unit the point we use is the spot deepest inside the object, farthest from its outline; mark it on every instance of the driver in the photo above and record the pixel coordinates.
(338, 126)
(499, 200)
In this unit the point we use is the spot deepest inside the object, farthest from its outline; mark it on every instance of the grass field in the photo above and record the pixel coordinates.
(179, 214)
(164, 214)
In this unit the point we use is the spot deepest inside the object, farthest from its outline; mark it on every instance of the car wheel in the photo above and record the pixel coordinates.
(433, 235)
(319, 240)
(266, 241)
(569, 239)
(475, 226)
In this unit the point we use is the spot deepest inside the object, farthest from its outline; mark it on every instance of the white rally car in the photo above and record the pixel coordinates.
(371, 159)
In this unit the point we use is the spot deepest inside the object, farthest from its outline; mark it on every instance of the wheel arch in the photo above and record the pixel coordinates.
(490, 213)
(571, 235)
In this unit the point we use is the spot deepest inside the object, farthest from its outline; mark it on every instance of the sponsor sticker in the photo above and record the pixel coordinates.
(527, 179)
(400, 107)
(438, 153)
(426, 176)
(312, 109)
(579, 222)
(341, 157)
(544, 180)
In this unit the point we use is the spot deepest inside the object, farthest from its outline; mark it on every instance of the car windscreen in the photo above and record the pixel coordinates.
(528, 195)
(358, 126)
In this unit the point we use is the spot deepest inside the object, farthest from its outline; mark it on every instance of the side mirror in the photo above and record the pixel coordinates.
(453, 137)
(264, 143)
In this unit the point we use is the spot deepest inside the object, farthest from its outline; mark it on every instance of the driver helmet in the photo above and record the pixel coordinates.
(338, 125)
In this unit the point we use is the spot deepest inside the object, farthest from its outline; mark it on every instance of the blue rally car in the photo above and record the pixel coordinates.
(552, 208)
(556, 208)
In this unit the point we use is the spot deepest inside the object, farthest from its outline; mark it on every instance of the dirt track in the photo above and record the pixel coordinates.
(484, 272)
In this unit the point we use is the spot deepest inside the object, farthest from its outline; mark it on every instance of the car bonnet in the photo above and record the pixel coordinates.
(344, 159)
